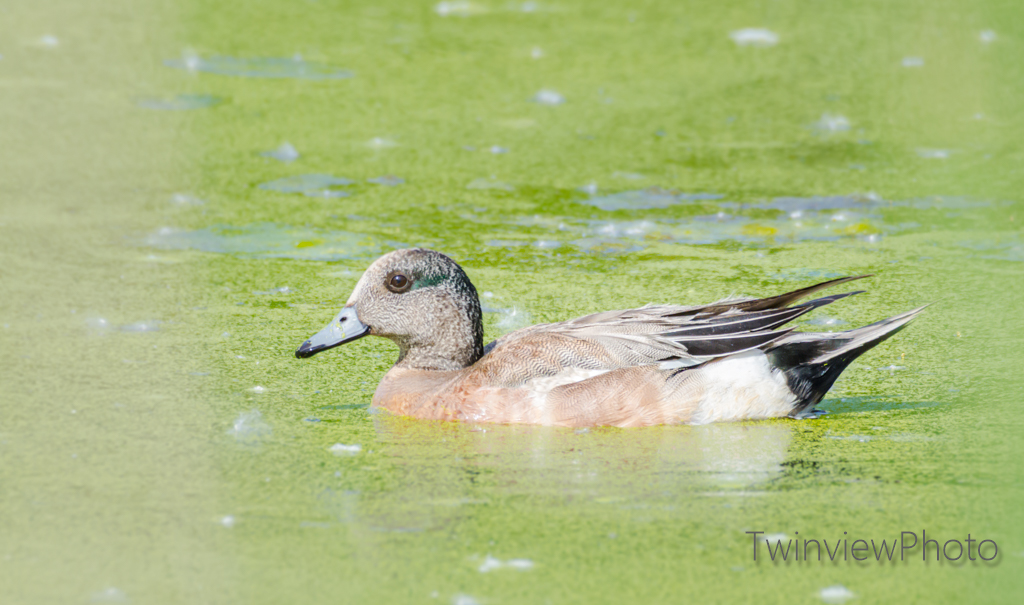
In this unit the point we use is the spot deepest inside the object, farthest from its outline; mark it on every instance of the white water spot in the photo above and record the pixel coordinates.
(490, 564)
(381, 143)
(183, 102)
(490, 184)
(496, 149)
(458, 8)
(826, 321)
(98, 324)
(512, 319)
(987, 36)
(184, 199)
(754, 36)
(141, 326)
(258, 389)
(310, 185)
(286, 153)
(646, 199)
(548, 97)
(464, 599)
(258, 67)
(341, 449)
(537, 52)
(109, 595)
(274, 291)
(228, 521)
(832, 123)
(775, 537)
(49, 41)
(934, 154)
(892, 368)
(249, 426)
(590, 188)
(629, 176)
(836, 594)
(388, 180)
(912, 62)
(526, 7)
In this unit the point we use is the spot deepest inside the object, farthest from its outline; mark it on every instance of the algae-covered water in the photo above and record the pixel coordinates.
(190, 189)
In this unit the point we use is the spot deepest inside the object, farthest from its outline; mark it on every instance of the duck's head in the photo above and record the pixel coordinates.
(420, 299)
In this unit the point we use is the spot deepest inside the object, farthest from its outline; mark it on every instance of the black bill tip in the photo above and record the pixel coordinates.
(307, 350)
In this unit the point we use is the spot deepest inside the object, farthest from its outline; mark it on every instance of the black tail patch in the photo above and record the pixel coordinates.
(813, 362)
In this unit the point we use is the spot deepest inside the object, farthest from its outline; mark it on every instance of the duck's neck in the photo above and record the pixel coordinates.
(453, 344)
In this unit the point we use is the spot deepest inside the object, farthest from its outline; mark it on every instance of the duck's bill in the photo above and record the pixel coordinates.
(346, 327)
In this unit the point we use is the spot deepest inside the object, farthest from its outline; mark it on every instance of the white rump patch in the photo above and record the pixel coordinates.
(742, 386)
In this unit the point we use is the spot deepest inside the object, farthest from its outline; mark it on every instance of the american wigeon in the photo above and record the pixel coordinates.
(658, 364)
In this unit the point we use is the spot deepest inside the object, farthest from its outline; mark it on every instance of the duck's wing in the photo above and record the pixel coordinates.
(673, 335)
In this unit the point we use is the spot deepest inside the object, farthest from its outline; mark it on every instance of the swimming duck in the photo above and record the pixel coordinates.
(658, 364)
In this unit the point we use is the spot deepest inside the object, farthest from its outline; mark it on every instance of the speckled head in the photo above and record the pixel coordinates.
(420, 299)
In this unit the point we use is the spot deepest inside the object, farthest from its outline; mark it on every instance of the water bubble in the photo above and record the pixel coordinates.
(182, 102)
(548, 97)
(490, 184)
(340, 449)
(184, 199)
(381, 143)
(832, 123)
(228, 521)
(49, 41)
(754, 36)
(388, 180)
(934, 154)
(249, 426)
(836, 594)
(536, 52)
(259, 67)
(310, 185)
(109, 595)
(912, 62)
(458, 8)
(987, 36)
(285, 153)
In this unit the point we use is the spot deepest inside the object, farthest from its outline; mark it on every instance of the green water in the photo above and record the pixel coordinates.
(140, 268)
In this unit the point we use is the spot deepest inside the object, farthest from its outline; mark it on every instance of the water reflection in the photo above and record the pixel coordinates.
(447, 469)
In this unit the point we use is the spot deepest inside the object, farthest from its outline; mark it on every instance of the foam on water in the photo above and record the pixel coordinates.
(832, 123)
(754, 36)
(490, 184)
(249, 427)
(548, 97)
(259, 67)
(381, 143)
(310, 185)
(286, 153)
(645, 199)
(179, 102)
(184, 199)
(388, 180)
(934, 154)
(458, 8)
(835, 595)
(267, 240)
(341, 449)
(491, 563)
(109, 595)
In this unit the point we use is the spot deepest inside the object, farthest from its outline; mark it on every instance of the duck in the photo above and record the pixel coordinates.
(659, 364)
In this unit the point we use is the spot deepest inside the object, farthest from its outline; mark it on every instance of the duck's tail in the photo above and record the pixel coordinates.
(812, 362)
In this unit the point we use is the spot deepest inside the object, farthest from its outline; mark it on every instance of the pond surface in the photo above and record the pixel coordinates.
(190, 189)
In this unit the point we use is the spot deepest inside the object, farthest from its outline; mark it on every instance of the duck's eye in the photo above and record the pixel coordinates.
(398, 282)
